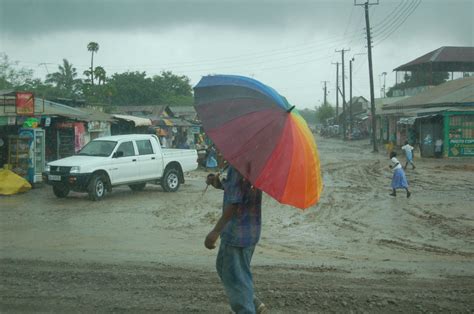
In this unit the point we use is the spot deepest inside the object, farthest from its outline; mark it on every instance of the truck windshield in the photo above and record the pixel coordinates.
(98, 148)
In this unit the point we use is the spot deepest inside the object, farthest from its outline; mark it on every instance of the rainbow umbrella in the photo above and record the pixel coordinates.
(262, 136)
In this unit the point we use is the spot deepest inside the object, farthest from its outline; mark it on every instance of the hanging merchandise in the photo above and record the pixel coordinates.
(31, 123)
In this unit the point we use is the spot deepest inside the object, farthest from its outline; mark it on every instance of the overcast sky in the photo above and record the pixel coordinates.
(287, 44)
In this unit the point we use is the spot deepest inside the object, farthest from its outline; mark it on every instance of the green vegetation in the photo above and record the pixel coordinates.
(324, 112)
(419, 78)
(119, 89)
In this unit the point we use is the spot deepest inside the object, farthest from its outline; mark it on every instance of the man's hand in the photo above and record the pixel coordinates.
(214, 180)
(210, 179)
(211, 239)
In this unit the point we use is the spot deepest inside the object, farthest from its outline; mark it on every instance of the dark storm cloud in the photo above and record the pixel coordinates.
(28, 17)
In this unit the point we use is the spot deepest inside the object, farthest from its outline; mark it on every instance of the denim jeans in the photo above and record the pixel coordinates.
(233, 267)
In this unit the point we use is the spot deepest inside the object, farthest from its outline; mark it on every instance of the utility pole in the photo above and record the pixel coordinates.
(343, 94)
(371, 76)
(325, 91)
(337, 90)
(384, 80)
(350, 96)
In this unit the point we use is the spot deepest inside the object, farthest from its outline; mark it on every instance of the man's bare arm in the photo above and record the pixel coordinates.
(212, 237)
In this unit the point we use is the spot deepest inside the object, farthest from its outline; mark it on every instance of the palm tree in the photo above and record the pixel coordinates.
(100, 74)
(65, 78)
(92, 47)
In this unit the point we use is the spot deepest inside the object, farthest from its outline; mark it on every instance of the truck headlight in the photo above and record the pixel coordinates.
(47, 168)
(75, 169)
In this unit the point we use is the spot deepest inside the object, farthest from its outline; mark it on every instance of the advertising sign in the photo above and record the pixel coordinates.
(461, 147)
(25, 103)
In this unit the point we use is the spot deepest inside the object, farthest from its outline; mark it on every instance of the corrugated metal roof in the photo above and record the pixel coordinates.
(137, 120)
(444, 59)
(172, 122)
(455, 92)
(412, 112)
(382, 102)
(142, 111)
(49, 108)
(182, 109)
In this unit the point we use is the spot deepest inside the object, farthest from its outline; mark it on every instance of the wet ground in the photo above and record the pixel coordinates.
(358, 250)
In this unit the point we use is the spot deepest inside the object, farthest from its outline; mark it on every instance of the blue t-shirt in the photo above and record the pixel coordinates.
(243, 229)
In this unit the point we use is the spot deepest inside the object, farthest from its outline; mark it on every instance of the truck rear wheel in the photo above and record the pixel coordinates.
(97, 188)
(170, 181)
(61, 191)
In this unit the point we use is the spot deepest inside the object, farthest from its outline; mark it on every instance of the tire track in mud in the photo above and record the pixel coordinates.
(355, 184)
(443, 223)
(407, 245)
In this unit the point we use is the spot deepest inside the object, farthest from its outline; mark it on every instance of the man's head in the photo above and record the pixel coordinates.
(393, 154)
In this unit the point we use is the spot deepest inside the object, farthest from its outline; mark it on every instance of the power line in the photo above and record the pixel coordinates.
(403, 9)
(388, 16)
(393, 24)
(400, 24)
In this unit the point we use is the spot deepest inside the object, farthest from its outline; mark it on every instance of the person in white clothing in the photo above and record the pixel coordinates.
(408, 154)
(399, 180)
(164, 142)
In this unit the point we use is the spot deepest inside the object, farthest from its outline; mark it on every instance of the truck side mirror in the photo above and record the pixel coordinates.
(118, 154)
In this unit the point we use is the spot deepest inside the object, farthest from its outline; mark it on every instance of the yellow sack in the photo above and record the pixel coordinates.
(11, 183)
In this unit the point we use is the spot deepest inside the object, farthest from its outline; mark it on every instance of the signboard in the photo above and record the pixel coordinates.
(461, 147)
(25, 103)
(195, 130)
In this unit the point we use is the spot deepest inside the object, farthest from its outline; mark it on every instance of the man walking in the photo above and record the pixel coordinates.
(239, 229)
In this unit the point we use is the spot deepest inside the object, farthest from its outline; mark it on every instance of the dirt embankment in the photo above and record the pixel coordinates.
(40, 286)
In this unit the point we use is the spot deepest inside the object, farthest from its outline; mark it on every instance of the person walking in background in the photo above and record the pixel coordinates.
(163, 141)
(408, 154)
(211, 158)
(438, 151)
(239, 229)
(399, 180)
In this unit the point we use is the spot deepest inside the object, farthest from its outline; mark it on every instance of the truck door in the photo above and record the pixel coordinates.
(149, 161)
(124, 166)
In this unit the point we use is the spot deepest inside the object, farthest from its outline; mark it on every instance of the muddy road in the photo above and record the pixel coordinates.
(358, 250)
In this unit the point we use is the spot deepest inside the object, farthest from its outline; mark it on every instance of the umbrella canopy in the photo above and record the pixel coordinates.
(262, 135)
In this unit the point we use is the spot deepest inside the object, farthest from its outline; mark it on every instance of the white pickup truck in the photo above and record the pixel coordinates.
(109, 161)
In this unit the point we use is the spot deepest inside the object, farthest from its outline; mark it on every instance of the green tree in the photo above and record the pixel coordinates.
(172, 89)
(11, 75)
(419, 78)
(100, 74)
(132, 88)
(65, 79)
(135, 88)
(308, 115)
(93, 47)
(324, 112)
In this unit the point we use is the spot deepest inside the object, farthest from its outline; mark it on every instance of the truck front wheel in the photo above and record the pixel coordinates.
(97, 187)
(170, 180)
(61, 191)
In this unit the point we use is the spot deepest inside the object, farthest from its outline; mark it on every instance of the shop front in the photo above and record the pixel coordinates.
(459, 134)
